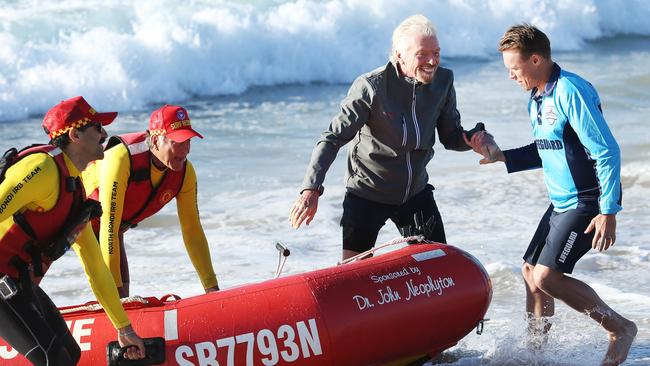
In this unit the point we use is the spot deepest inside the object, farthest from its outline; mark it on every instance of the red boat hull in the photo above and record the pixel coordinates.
(420, 299)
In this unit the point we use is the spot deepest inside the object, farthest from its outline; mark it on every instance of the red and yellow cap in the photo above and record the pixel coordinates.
(172, 121)
(73, 113)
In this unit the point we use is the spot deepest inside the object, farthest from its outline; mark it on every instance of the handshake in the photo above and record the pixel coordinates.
(483, 143)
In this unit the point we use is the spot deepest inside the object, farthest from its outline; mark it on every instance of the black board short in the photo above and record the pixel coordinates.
(559, 241)
(362, 219)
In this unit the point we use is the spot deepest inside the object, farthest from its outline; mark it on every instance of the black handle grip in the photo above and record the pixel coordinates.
(154, 353)
(282, 249)
(479, 127)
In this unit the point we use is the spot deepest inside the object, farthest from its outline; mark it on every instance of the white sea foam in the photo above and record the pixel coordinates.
(123, 55)
(257, 144)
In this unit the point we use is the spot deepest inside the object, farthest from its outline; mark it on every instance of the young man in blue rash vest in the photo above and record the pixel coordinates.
(581, 163)
(390, 116)
(45, 211)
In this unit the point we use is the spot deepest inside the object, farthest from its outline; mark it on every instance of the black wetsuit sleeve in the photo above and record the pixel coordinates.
(522, 158)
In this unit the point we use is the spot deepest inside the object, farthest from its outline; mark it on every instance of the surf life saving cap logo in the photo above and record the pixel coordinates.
(172, 121)
(73, 113)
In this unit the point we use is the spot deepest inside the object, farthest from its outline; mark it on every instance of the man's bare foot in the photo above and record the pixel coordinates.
(619, 345)
(537, 333)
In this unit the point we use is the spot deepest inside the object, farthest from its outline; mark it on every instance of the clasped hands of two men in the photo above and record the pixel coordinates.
(483, 143)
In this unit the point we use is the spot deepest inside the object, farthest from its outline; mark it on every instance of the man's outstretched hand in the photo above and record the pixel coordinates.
(304, 209)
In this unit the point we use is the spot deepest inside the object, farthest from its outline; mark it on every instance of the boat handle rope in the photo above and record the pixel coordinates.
(98, 306)
(283, 252)
(398, 240)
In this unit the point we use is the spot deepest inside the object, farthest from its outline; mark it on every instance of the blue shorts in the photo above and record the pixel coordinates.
(560, 241)
(362, 219)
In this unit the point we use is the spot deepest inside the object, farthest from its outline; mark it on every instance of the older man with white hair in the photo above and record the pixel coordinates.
(391, 115)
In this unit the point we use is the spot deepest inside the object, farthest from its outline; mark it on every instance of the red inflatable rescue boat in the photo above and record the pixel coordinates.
(417, 300)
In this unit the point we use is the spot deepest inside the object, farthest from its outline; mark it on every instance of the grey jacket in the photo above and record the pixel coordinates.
(391, 122)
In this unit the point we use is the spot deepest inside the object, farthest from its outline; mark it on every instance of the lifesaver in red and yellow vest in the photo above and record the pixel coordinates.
(142, 199)
(40, 227)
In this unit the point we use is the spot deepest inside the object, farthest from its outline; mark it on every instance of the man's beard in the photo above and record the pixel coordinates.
(425, 77)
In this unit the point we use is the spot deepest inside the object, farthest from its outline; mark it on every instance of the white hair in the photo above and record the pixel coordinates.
(416, 24)
(149, 141)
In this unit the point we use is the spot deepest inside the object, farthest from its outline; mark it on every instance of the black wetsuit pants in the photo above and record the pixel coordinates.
(31, 324)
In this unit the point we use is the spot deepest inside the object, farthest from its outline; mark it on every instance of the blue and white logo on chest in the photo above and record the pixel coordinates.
(550, 114)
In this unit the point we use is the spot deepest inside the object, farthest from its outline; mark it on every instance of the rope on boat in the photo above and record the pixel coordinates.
(398, 240)
(284, 253)
(97, 306)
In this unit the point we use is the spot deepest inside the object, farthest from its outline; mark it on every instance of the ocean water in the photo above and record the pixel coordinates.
(261, 80)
